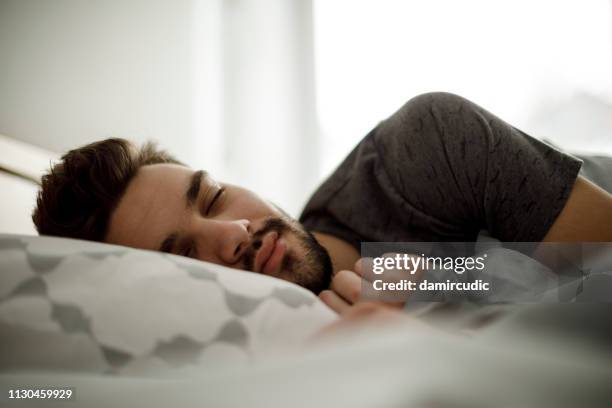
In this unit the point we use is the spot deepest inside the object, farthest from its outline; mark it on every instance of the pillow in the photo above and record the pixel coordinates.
(77, 305)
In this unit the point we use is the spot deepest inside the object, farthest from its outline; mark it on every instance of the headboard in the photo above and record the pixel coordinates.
(21, 166)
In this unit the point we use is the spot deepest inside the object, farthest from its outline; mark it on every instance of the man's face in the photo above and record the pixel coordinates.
(174, 209)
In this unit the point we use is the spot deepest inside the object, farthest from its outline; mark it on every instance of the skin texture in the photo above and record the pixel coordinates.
(224, 224)
(153, 206)
(586, 217)
(222, 228)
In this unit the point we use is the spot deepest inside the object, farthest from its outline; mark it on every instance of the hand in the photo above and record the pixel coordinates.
(348, 288)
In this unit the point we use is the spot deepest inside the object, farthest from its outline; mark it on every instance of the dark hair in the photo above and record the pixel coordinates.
(79, 194)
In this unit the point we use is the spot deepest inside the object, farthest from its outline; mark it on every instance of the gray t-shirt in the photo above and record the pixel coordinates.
(442, 169)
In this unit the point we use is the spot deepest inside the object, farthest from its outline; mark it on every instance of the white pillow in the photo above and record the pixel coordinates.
(78, 305)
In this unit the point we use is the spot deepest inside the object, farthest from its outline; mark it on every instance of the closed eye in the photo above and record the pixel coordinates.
(188, 252)
(214, 200)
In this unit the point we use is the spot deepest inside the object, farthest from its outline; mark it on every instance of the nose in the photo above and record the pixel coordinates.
(224, 240)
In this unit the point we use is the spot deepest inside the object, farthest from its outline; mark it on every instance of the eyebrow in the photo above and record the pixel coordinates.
(191, 196)
(194, 188)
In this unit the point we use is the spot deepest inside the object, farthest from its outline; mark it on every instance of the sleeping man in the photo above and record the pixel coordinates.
(440, 169)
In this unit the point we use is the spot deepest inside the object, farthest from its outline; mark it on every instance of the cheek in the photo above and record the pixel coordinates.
(265, 209)
(251, 206)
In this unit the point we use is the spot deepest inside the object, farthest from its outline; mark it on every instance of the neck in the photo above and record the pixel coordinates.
(342, 254)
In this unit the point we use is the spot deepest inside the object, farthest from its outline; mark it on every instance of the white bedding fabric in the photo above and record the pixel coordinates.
(408, 367)
(126, 327)
(99, 308)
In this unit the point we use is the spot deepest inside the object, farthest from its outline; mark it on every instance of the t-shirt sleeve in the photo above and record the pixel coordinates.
(442, 168)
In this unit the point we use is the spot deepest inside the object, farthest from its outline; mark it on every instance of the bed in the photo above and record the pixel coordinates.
(125, 327)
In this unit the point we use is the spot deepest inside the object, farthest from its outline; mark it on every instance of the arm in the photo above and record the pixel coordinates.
(586, 217)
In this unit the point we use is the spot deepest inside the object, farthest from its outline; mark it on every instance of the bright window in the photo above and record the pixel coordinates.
(543, 66)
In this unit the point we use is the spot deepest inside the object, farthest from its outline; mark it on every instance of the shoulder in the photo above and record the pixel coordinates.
(431, 103)
(424, 124)
(428, 111)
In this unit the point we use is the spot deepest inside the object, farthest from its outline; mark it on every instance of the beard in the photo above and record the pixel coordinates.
(308, 265)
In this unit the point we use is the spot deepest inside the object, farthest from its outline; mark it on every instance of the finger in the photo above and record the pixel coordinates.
(335, 302)
(363, 268)
(397, 272)
(347, 284)
(392, 298)
(359, 265)
(410, 267)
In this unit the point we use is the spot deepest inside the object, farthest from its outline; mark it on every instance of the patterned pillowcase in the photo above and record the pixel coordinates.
(77, 305)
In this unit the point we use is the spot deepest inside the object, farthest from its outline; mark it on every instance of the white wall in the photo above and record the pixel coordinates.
(527, 61)
(225, 85)
(269, 119)
(75, 71)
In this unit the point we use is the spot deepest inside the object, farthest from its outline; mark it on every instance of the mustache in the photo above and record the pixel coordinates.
(271, 224)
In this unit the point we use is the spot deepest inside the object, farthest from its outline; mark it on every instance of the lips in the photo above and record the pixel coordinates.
(273, 263)
(270, 253)
(268, 243)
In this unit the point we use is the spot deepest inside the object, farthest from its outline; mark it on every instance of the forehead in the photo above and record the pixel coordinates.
(152, 205)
